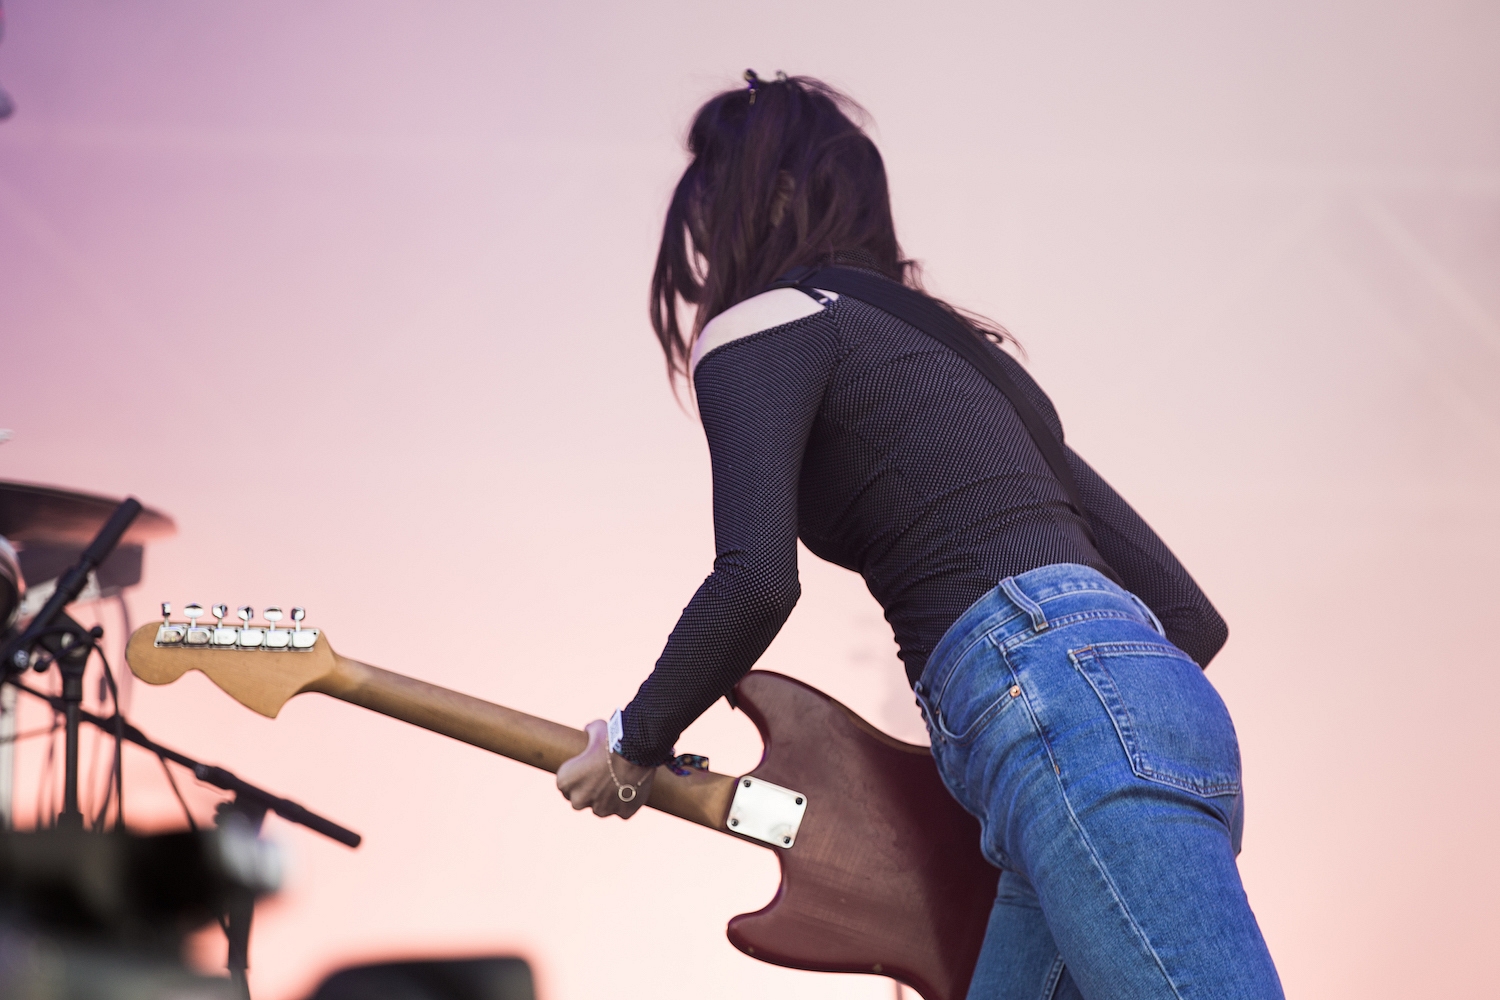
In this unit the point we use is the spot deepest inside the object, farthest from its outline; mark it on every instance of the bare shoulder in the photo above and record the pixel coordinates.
(765, 311)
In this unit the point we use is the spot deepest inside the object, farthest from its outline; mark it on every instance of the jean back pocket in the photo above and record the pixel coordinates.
(1172, 723)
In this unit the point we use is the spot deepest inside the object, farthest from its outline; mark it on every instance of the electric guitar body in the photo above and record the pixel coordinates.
(881, 871)
(886, 875)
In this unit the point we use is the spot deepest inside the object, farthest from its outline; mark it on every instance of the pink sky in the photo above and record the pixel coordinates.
(357, 293)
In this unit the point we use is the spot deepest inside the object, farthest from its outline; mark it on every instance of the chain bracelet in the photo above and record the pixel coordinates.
(620, 789)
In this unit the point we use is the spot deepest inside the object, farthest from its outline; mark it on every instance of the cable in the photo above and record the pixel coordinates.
(210, 774)
(192, 823)
(97, 823)
(119, 770)
(93, 800)
(44, 787)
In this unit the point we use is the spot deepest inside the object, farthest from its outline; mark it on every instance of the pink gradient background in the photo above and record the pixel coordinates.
(356, 292)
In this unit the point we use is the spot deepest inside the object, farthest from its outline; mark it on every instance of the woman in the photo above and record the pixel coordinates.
(1056, 653)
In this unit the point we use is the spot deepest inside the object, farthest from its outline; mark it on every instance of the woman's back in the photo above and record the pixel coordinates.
(889, 455)
(920, 476)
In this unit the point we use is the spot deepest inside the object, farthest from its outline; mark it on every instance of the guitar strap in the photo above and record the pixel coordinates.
(913, 307)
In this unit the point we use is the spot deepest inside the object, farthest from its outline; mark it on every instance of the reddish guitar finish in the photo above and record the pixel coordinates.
(886, 876)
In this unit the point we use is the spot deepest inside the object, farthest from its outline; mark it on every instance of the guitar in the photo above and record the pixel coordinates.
(880, 868)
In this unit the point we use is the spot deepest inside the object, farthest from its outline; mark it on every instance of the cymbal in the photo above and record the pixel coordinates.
(45, 515)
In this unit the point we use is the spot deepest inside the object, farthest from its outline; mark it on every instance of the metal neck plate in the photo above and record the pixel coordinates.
(766, 812)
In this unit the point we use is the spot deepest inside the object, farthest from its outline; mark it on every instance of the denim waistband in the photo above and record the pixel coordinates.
(1027, 604)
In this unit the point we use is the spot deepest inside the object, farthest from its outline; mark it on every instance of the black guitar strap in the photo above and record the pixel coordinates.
(913, 307)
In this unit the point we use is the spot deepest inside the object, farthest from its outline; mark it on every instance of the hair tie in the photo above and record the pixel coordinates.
(753, 81)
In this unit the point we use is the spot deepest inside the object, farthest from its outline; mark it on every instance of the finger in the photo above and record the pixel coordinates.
(570, 776)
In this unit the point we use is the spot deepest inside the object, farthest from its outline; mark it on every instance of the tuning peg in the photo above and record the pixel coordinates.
(276, 637)
(302, 638)
(224, 635)
(168, 634)
(249, 636)
(197, 635)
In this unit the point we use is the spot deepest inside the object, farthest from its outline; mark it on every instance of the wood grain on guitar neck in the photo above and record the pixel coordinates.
(264, 680)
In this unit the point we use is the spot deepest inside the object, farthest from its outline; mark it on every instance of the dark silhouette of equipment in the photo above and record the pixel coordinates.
(52, 636)
(105, 916)
(441, 979)
(241, 816)
(46, 527)
(50, 528)
(72, 546)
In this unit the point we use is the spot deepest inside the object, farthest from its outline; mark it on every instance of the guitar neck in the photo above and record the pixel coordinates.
(702, 797)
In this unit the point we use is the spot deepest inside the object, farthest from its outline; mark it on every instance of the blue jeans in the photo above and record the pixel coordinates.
(1105, 773)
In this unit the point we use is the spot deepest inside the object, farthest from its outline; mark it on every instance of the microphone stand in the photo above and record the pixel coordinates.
(70, 645)
(249, 806)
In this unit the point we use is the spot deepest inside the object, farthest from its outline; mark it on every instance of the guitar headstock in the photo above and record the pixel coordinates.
(260, 666)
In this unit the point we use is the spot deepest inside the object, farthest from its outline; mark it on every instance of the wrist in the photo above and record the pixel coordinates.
(616, 730)
(619, 746)
(630, 780)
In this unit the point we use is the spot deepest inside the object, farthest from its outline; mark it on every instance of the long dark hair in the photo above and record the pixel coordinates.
(782, 175)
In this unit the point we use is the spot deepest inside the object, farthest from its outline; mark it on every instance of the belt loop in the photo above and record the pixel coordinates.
(1026, 604)
(1154, 621)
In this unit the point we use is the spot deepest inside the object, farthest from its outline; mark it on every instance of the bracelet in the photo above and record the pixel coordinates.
(620, 789)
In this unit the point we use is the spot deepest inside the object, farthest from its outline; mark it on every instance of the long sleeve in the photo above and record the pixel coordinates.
(757, 398)
(1148, 568)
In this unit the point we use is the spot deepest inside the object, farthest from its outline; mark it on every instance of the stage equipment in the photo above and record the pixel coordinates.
(52, 636)
(245, 812)
(84, 546)
(881, 868)
(50, 528)
(104, 916)
(68, 545)
(497, 978)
